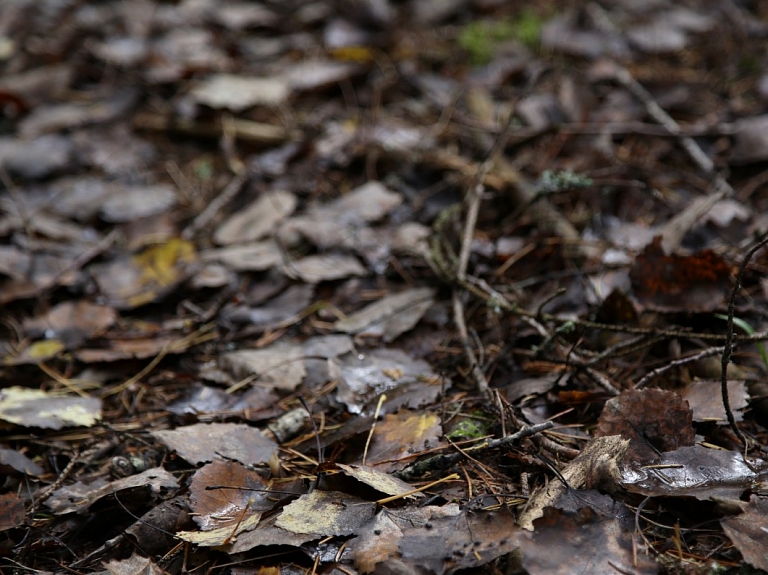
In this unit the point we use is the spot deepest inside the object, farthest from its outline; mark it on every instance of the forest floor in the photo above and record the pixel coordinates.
(382, 286)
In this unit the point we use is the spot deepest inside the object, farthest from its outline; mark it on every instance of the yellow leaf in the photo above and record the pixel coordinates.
(160, 264)
(45, 349)
(359, 54)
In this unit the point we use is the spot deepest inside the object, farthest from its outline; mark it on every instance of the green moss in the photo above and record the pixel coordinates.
(480, 39)
(469, 428)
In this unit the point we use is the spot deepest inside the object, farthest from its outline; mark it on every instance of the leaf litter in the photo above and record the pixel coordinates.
(270, 272)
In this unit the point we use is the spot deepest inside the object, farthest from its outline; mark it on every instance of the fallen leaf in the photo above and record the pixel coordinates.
(326, 267)
(401, 434)
(36, 158)
(223, 492)
(280, 366)
(584, 541)
(749, 532)
(35, 352)
(237, 93)
(71, 322)
(331, 224)
(691, 284)
(327, 513)
(364, 377)
(132, 203)
(255, 256)
(694, 471)
(315, 74)
(12, 511)
(449, 543)
(378, 480)
(132, 281)
(18, 462)
(654, 420)
(267, 533)
(203, 442)
(750, 144)
(257, 219)
(389, 317)
(706, 401)
(79, 496)
(37, 408)
(596, 467)
(134, 565)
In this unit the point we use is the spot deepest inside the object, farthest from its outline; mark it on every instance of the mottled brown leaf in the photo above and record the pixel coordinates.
(653, 420)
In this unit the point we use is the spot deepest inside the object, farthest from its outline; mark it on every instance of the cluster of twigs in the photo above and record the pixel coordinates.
(453, 268)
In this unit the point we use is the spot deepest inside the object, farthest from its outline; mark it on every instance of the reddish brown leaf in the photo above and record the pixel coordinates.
(223, 491)
(672, 283)
(11, 511)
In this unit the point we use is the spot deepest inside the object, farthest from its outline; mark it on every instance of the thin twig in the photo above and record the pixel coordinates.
(444, 460)
(728, 347)
(477, 288)
(206, 216)
(657, 113)
(651, 375)
(461, 327)
(476, 194)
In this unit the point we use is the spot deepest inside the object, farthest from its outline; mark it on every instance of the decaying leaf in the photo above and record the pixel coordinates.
(654, 420)
(362, 378)
(378, 480)
(11, 511)
(132, 203)
(672, 283)
(131, 281)
(237, 93)
(223, 493)
(750, 144)
(401, 434)
(749, 532)
(133, 565)
(314, 74)
(18, 462)
(376, 542)
(79, 496)
(71, 322)
(331, 224)
(597, 466)
(37, 408)
(327, 513)
(133, 348)
(565, 542)
(693, 471)
(326, 267)
(390, 316)
(254, 256)
(267, 533)
(35, 352)
(706, 401)
(256, 220)
(446, 543)
(283, 307)
(205, 442)
(281, 366)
